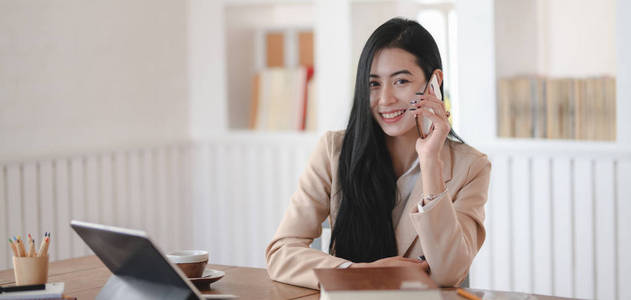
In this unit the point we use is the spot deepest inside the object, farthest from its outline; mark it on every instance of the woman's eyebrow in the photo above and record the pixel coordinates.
(400, 72)
(393, 74)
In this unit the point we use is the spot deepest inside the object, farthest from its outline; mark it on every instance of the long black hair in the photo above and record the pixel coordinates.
(363, 230)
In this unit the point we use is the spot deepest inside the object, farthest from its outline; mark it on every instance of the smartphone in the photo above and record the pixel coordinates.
(426, 124)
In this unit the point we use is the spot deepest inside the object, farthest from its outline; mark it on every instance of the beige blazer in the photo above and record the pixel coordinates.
(449, 234)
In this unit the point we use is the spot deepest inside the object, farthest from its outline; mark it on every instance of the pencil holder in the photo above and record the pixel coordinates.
(30, 270)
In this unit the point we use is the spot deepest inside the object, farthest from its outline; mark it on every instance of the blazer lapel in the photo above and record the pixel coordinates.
(404, 232)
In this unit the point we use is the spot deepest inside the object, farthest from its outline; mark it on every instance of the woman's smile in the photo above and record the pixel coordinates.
(393, 116)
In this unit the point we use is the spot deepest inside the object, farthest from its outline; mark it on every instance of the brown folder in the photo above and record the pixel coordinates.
(376, 283)
(388, 278)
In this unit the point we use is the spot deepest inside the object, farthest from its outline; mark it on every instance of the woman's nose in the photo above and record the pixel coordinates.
(386, 97)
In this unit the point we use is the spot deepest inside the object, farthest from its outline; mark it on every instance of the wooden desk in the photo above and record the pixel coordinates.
(85, 276)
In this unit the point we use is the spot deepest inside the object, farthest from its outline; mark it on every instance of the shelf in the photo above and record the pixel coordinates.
(265, 2)
(257, 136)
(569, 148)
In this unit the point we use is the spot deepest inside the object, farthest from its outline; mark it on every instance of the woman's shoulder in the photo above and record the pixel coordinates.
(333, 140)
(463, 153)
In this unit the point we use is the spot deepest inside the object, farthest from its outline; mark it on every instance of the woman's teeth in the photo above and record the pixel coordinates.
(393, 114)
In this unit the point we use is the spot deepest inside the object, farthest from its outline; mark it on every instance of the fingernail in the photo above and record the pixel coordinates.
(412, 109)
(419, 93)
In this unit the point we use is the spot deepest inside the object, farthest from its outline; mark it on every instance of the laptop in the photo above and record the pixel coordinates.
(139, 269)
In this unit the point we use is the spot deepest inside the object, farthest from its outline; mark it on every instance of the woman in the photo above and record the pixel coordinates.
(392, 197)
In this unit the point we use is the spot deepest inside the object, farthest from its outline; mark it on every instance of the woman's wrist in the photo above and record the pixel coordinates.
(431, 171)
(429, 159)
(433, 188)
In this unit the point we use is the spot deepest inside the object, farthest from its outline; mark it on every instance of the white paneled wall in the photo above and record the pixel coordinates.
(558, 217)
(556, 221)
(243, 184)
(140, 189)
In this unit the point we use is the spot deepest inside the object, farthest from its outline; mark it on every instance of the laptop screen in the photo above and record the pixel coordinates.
(130, 254)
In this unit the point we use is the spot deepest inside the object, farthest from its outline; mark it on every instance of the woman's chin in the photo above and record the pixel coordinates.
(395, 131)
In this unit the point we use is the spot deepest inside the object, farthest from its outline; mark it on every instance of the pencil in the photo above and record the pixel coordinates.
(32, 252)
(31, 245)
(47, 241)
(41, 246)
(21, 247)
(15, 250)
(15, 243)
(467, 295)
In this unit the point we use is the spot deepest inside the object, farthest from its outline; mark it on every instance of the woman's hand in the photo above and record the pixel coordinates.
(430, 146)
(395, 261)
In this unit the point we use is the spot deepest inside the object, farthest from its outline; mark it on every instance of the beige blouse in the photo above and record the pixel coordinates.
(448, 232)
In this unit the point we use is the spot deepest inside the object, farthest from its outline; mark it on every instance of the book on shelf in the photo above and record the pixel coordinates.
(254, 101)
(557, 108)
(506, 124)
(376, 283)
(610, 96)
(579, 98)
(521, 93)
(537, 90)
(311, 113)
(281, 99)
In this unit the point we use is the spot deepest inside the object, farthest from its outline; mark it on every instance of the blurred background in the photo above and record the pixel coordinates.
(192, 120)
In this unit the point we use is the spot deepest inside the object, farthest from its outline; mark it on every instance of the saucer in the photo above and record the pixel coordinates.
(209, 276)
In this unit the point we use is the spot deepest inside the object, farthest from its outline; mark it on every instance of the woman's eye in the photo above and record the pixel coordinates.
(373, 84)
(401, 81)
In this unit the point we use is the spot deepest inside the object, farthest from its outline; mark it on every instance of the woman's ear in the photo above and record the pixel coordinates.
(439, 76)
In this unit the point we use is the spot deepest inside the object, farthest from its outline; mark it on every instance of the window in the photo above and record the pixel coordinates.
(440, 20)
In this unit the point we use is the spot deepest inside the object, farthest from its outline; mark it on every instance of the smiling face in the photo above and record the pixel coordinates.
(395, 77)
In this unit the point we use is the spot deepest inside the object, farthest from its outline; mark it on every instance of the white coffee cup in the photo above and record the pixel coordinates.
(191, 262)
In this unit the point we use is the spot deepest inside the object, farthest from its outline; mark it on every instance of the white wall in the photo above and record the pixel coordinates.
(581, 37)
(476, 71)
(623, 92)
(558, 38)
(78, 75)
(365, 18)
(206, 60)
(333, 63)
(516, 36)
